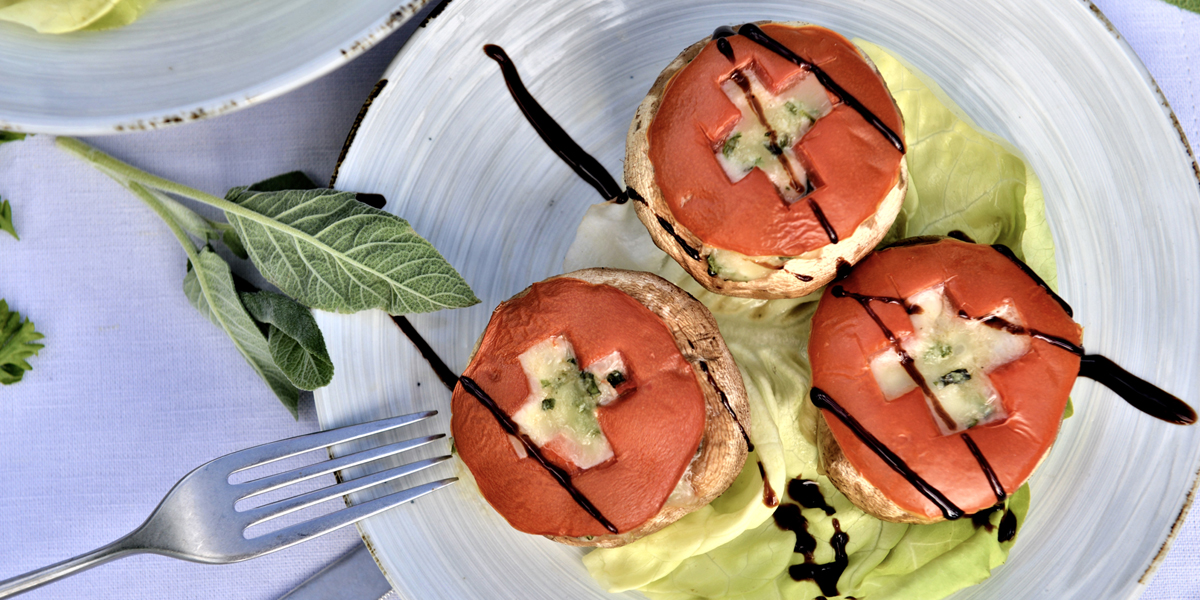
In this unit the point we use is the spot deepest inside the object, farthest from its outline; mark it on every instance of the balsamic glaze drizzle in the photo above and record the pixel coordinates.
(769, 498)
(728, 407)
(584, 164)
(808, 493)
(1140, 393)
(725, 48)
(670, 229)
(822, 400)
(788, 518)
(825, 224)
(743, 82)
(1007, 253)
(983, 518)
(993, 480)
(906, 361)
(511, 428)
(999, 323)
(757, 35)
(826, 576)
(449, 379)
(1008, 527)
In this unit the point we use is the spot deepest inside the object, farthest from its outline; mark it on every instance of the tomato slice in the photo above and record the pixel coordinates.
(848, 164)
(851, 328)
(654, 427)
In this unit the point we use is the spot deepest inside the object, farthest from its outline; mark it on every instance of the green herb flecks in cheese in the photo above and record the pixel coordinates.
(954, 355)
(560, 412)
(789, 114)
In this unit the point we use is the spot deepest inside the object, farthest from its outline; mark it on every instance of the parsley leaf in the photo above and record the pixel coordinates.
(6, 223)
(17, 339)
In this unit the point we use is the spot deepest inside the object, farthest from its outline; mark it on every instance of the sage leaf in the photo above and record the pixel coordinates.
(6, 223)
(17, 343)
(209, 287)
(331, 252)
(233, 242)
(1192, 5)
(188, 219)
(295, 341)
(205, 229)
(11, 136)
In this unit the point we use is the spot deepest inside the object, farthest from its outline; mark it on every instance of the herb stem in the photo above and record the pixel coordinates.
(147, 196)
(125, 173)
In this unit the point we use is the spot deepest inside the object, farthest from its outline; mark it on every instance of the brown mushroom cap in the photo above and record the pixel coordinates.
(800, 275)
(713, 465)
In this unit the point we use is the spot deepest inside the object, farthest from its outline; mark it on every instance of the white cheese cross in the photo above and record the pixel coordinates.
(560, 411)
(954, 355)
(769, 128)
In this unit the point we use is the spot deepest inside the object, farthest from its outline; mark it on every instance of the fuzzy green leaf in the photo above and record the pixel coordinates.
(233, 242)
(293, 338)
(331, 252)
(17, 343)
(11, 136)
(6, 223)
(1192, 5)
(210, 288)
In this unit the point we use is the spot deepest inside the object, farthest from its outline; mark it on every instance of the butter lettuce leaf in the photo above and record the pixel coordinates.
(64, 16)
(961, 179)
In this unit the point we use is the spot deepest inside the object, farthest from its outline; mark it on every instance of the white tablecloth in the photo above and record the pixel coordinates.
(135, 387)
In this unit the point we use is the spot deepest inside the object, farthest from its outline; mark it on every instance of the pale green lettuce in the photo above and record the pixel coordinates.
(960, 179)
(64, 16)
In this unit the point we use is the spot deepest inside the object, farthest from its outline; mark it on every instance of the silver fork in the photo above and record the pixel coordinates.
(197, 520)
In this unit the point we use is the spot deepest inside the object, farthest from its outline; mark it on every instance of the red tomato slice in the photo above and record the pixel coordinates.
(655, 427)
(1033, 388)
(853, 164)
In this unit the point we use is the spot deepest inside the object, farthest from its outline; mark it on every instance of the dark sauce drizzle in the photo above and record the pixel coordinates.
(993, 480)
(728, 407)
(561, 476)
(769, 497)
(584, 164)
(788, 518)
(1008, 527)
(687, 248)
(983, 518)
(758, 36)
(808, 493)
(1007, 253)
(449, 379)
(743, 82)
(1140, 393)
(822, 400)
(825, 224)
(910, 366)
(826, 576)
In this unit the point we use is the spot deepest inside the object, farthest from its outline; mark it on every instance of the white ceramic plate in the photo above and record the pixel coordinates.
(452, 153)
(183, 60)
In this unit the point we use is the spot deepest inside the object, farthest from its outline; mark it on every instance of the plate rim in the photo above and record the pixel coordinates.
(273, 87)
(1093, 9)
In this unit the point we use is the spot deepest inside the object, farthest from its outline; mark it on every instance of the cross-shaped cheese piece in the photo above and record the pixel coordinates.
(769, 128)
(560, 411)
(954, 355)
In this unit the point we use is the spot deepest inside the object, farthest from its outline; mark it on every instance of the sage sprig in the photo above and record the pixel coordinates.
(325, 249)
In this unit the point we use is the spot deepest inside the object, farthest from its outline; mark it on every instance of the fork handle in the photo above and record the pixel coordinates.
(33, 579)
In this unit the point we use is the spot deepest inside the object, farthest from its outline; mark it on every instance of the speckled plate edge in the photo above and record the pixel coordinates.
(228, 103)
(1165, 547)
